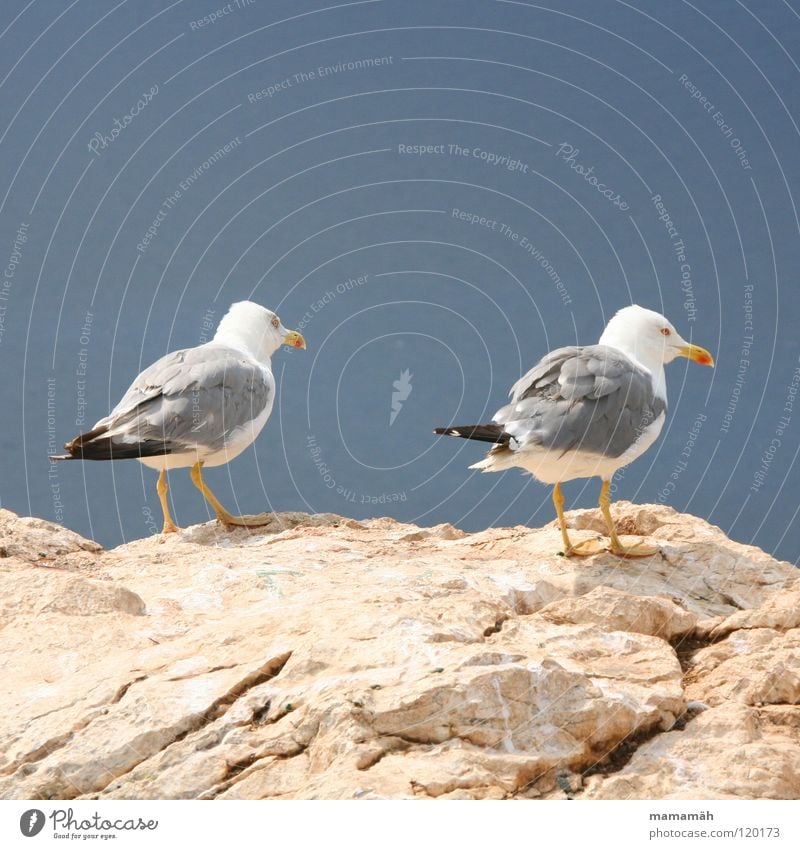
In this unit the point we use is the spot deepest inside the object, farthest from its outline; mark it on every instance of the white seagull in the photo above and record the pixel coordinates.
(586, 411)
(196, 407)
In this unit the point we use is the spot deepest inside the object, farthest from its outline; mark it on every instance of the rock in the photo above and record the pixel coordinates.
(321, 657)
(729, 752)
(34, 540)
(754, 667)
(781, 612)
(620, 611)
(41, 591)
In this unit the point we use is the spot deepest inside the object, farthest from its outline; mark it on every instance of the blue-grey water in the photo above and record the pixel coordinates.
(436, 194)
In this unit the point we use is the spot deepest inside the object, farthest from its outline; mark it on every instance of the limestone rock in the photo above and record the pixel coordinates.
(33, 540)
(781, 612)
(728, 752)
(320, 657)
(620, 611)
(755, 667)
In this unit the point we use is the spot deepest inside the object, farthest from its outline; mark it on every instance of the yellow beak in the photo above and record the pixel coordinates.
(294, 339)
(698, 354)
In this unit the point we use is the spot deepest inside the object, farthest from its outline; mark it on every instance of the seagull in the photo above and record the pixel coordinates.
(588, 411)
(196, 407)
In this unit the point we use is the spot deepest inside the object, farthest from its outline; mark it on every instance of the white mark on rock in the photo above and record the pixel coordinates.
(505, 714)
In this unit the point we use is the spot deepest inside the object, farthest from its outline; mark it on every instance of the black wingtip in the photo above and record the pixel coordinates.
(446, 431)
(482, 433)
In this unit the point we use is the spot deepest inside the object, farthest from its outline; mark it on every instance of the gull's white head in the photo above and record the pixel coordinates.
(256, 330)
(650, 339)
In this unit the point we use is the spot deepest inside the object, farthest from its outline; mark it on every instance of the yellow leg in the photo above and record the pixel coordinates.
(582, 549)
(222, 514)
(161, 487)
(558, 501)
(637, 549)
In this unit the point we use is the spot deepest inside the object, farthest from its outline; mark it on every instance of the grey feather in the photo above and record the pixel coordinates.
(593, 399)
(193, 397)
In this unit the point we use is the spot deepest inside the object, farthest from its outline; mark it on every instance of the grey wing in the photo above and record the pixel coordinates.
(197, 396)
(592, 398)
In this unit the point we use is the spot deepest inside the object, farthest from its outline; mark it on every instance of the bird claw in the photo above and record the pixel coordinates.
(260, 521)
(590, 547)
(640, 548)
(586, 548)
(169, 528)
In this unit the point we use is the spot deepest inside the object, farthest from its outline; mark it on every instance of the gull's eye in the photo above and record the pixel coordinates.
(275, 322)
(665, 331)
